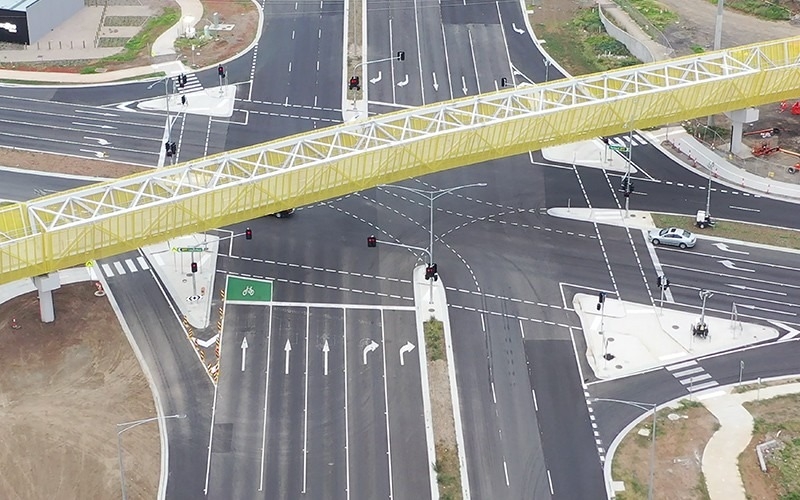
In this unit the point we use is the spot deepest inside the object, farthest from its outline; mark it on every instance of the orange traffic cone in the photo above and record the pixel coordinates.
(100, 292)
(14, 324)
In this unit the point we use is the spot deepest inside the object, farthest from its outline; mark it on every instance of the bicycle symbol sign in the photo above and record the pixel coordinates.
(248, 290)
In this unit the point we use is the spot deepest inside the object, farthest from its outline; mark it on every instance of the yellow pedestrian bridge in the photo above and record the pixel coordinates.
(73, 227)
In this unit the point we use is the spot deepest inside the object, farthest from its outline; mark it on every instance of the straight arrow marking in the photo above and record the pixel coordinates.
(743, 287)
(403, 350)
(244, 352)
(435, 83)
(325, 350)
(369, 348)
(100, 141)
(93, 125)
(464, 84)
(287, 349)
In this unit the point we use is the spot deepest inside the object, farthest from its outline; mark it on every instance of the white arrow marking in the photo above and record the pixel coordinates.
(724, 247)
(102, 142)
(244, 351)
(377, 78)
(94, 125)
(746, 306)
(404, 82)
(744, 208)
(435, 83)
(464, 84)
(287, 348)
(792, 332)
(518, 30)
(98, 154)
(403, 350)
(94, 113)
(731, 265)
(325, 351)
(123, 106)
(742, 287)
(369, 348)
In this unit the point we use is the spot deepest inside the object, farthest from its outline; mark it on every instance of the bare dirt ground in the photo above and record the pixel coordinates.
(679, 450)
(63, 388)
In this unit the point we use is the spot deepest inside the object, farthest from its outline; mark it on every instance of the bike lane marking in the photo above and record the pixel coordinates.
(248, 290)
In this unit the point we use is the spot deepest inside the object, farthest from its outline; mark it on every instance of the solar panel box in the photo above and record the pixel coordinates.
(26, 21)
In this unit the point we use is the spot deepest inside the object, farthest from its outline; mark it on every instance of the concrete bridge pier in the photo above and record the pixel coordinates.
(739, 118)
(45, 284)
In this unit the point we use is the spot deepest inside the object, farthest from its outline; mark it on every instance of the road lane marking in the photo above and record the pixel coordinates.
(505, 471)
(119, 268)
(550, 480)
(266, 398)
(107, 270)
(305, 407)
(734, 207)
(142, 263)
(474, 62)
(386, 401)
(131, 266)
(346, 421)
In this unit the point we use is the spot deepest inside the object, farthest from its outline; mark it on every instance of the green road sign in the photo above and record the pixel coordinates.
(615, 147)
(189, 249)
(248, 290)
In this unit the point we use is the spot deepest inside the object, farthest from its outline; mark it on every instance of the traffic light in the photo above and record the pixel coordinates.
(430, 272)
(221, 71)
(601, 297)
(168, 148)
(401, 55)
(181, 82)
(355, 83)
(194, 267)
(173, 148)
(372, 241)
(503, 82)
(658, 281)
(248, 234)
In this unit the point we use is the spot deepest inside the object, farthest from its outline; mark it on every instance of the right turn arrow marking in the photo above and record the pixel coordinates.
(369, 348)
(403, 350)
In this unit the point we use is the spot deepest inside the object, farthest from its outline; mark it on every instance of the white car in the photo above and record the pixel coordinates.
(674, 236)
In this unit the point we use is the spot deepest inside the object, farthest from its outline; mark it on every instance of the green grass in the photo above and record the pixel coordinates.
(697, 49)
(141, 41)
(582, 46)
(772, 11)
(448, 473)
(655, 13)
(434, 339)
(752, 233)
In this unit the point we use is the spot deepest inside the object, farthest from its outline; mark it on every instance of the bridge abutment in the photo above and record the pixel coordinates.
(45, 284)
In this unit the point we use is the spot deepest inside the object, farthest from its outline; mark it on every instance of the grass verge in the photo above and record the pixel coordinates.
(753, 233)
(142, 41)
(772, 11)
(582, 45)
(655, 13)
(434, 339)
(448, 474)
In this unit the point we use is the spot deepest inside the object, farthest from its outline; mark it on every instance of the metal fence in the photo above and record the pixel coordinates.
(645, 24)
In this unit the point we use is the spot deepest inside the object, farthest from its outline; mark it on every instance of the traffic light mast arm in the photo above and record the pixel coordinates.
(410, 247)
(223, 239)
(364, 63)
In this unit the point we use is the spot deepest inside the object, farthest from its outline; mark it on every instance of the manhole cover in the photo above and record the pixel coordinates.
(193, 298)
(431, 310)
(618, 367)
(675, 327)
(611, 339)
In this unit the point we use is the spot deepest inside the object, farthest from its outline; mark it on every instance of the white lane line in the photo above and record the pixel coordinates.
(447, 62)
(142, 263)
(290, 66)
(550, 480)
(505, 470)
(386, 400)
(419, 53)
(346, 421)
(474, 62)
(119, 268)
(107, 270)
(656, 265)
(131, 266)
(391, 63)
(535, 404)
(266, 398)
(744, 208)
(305, 407)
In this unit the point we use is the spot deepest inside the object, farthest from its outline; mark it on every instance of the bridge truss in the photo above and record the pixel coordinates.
(72, 227)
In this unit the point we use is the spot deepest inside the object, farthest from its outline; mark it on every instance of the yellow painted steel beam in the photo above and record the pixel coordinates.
(67, 229)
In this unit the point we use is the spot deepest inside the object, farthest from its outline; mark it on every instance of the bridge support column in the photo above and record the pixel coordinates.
(46, 283)
(739, 118)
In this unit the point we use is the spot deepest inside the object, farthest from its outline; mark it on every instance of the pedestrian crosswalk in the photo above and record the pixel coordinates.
(120, 267)
(693, 377)
(192, 83)
(624, 140)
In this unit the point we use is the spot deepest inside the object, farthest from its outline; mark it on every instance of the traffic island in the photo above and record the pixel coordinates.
(442, 412)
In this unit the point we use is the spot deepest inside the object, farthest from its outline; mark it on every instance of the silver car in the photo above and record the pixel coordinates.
(674, 236)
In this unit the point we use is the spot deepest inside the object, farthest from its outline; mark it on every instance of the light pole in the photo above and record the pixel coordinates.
(166, 81)
(646, 407)
(433, 195)
(125, 426)
(546, 69)
(701, 329)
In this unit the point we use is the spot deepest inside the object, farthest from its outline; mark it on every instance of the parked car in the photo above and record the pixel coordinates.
(283, 213)
(674, 236)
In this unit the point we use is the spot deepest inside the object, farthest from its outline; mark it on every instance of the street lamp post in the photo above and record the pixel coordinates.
(642, 406)
(126, 426)
(166, 80)
(433, 195)
(546, 69)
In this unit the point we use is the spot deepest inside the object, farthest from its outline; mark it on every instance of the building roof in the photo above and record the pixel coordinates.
(19, 5)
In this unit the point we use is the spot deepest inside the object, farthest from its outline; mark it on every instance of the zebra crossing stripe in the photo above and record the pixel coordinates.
(119, 268)
(692, 380)
(688, 372)
(107, 270)
(685, 364)
(131, 266)
(142, 263)
(700, 387)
